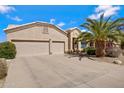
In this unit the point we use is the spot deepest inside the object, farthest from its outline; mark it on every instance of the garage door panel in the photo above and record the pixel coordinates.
(57, 48)
(32, 48)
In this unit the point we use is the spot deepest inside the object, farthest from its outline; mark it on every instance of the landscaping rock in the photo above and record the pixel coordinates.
(113, 52)
(117, 61)
(3, 68)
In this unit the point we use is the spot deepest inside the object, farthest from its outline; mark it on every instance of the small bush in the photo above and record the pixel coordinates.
(90, 50)
(7, 50)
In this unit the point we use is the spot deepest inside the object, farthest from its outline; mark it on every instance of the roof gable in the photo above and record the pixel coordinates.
(72, 29)
(28, 25)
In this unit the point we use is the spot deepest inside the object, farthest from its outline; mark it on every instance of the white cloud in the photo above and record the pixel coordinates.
(102, 7)
(52, 21)
(96, 16)
(16, 18)
(108, 10)
(6, 9)
(61, 24)
(83, 30)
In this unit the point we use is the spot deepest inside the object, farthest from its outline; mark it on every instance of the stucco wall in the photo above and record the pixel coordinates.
(74, 34)
(36, 33)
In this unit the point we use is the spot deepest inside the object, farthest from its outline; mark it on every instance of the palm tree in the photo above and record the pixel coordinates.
(101, 31)
(122, 41)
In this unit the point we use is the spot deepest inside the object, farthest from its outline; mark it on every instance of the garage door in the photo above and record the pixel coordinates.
(32, 48)
(57, 47)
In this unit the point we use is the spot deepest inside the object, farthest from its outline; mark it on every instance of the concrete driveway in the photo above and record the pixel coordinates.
(63, 71)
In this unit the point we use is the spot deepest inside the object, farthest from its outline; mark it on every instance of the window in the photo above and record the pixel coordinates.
(45, 29)
(83, 44)
(91, 44)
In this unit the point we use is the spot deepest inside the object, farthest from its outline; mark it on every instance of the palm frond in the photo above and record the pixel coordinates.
(102, 29)
(116, 23)
(101, 19)
(106, 23)
(85, 36)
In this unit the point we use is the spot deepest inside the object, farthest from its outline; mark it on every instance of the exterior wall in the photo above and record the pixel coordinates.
(74, 34)
(36, 33)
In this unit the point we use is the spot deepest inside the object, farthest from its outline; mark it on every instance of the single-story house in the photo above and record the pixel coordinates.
(41, 38)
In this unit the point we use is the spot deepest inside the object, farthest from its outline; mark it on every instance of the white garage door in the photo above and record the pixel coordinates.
(32, 48)
(57, 48)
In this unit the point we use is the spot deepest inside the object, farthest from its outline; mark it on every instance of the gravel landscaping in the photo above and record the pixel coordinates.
(3, 68)
(4, 64)
(108, 59)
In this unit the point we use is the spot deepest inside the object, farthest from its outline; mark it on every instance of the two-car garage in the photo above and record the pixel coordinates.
(33, 47)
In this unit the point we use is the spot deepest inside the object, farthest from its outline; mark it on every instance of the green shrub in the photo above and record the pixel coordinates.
(7, 50)
(90, 50)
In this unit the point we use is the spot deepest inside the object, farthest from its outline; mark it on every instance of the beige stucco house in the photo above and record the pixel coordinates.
(41, 38)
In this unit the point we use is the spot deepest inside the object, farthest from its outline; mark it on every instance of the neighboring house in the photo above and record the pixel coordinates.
(41, 38)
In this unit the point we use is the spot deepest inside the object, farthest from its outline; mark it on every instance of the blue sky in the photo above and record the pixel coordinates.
(63, 16)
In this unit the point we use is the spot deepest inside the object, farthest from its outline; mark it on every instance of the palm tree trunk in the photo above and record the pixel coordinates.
(100, 48)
